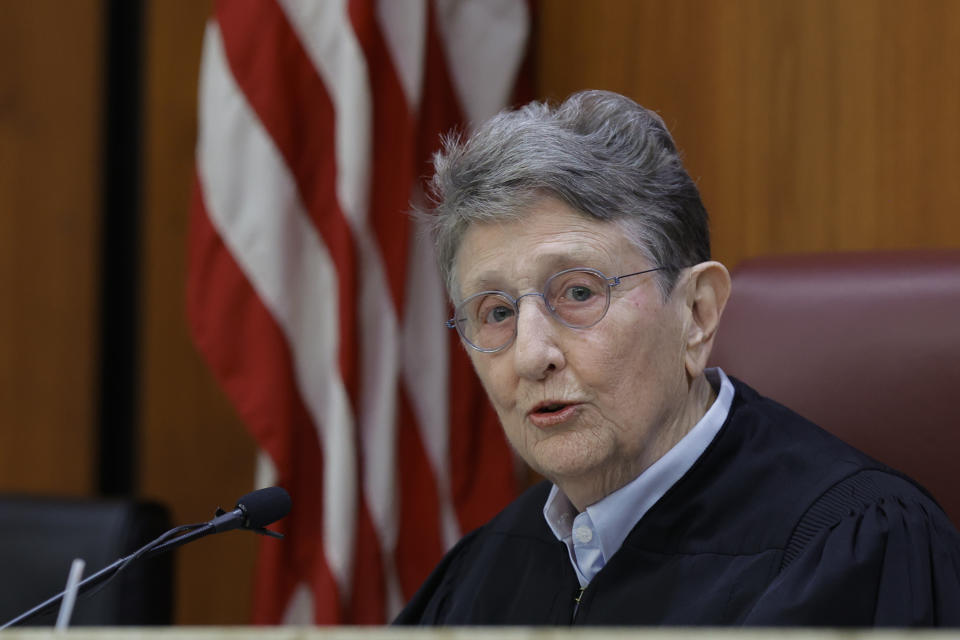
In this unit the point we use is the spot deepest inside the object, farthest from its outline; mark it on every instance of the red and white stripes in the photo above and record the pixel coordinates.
(314, 297)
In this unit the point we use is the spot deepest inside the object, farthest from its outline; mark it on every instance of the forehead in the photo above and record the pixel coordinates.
(547, 237)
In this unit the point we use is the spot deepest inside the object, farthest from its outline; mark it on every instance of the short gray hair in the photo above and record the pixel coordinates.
(598, 152)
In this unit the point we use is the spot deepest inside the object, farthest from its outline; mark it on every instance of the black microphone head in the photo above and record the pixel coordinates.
(264, 506)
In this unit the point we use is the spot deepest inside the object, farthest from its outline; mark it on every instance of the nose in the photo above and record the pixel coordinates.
(536, 351)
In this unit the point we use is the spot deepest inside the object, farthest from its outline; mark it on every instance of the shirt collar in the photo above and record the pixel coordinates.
(616, 514)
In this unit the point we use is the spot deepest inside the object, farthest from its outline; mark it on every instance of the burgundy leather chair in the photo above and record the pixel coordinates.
(867, 345)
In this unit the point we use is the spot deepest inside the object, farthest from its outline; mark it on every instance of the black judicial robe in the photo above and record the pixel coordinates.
(777, 523)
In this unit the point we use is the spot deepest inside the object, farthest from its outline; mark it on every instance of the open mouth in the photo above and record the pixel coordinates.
(552, 414)
(550, 408)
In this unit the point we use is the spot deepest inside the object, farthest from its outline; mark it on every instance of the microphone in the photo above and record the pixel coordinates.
(253, 512)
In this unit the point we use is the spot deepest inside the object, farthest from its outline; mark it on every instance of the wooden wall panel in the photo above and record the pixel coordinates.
(810, 124)
(195, 454)
(50, 110)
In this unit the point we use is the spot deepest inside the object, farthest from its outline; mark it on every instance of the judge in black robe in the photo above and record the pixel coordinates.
(777, 523)
(576, 250)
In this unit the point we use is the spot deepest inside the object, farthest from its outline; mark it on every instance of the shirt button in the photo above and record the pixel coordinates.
(583, 535)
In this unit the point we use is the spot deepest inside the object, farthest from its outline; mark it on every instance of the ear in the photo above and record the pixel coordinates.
(707, 289)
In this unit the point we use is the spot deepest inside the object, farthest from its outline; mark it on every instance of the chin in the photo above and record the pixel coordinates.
(567, 456)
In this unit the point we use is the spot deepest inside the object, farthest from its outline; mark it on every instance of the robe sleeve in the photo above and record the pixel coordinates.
(873, 551)
(428, 603)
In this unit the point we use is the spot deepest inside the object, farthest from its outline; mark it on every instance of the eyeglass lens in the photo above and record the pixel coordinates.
(577, 298)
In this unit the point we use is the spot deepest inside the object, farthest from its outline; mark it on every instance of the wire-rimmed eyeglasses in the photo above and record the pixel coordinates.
(577, 298)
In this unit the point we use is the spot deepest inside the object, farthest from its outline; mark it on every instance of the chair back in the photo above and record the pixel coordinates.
(867, 345)
(40, 537)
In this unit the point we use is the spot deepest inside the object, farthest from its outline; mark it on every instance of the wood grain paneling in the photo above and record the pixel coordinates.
(50, 110)
(810, 125)
(195, 453)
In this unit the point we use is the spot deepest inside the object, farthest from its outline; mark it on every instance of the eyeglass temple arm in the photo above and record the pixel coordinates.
(614, 281)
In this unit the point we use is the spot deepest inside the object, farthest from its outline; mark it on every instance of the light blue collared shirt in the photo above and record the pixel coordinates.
(594, 535)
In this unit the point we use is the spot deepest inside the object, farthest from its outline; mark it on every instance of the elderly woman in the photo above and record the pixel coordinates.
(576, 250)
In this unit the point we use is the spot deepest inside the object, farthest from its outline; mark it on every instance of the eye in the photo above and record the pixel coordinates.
(575, 289)
(493, 309)
(497, 314)
(578, 293)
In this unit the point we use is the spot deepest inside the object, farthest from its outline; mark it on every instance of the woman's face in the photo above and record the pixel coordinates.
(589, 409)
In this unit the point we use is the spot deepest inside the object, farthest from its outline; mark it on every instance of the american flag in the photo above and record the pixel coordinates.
(314, 297)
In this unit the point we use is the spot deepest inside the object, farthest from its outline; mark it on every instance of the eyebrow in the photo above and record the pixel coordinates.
(553, 262)
(487, 281)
